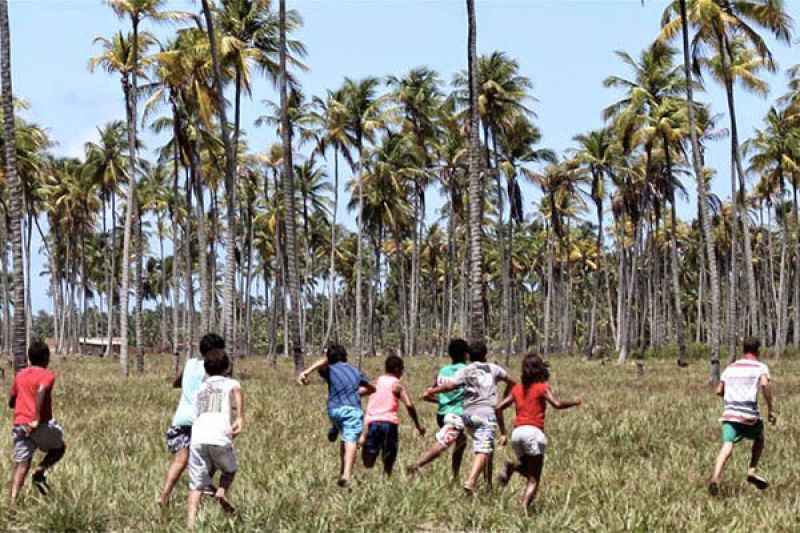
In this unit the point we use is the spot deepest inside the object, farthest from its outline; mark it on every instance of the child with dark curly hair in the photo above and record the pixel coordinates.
(530, 399)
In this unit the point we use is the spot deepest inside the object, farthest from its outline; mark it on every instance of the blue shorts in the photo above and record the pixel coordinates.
(382, 439)
(349, 421)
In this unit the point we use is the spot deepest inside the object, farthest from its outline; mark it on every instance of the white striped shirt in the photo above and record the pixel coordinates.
(742, 381)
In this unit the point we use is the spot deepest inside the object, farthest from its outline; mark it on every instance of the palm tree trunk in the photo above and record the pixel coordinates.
(112, 278)
(332, 267)
(230, 177)
(202, 242)
(15, 190)
(475, 184)
(289, 204)
(702, 200)
(139, 292)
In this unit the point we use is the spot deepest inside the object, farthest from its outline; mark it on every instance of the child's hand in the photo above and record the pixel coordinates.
(302, 379)
(362, 440)
(773, 419)
(421, 431)
(32, 425)
(236, 427)
(429, 395)
(503, 440)
(578, 402)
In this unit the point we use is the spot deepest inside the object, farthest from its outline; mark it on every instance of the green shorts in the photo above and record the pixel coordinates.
(734, 432)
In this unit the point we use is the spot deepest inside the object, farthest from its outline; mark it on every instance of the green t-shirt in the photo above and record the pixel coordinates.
(450, 403)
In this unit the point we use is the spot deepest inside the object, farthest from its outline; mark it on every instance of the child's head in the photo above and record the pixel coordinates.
(211, 341)
(395, 365)
(336, 354)
(752, 345)
(39, 353)
(458, 350)
(534, 370)
(478, 351)
(216, 362)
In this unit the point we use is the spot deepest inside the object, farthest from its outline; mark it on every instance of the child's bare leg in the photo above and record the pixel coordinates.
(478, 465)
(341, 459)
(174, 472)
(722, 458)
(458, 455)
(50, 459)
(17, 481)
(532, 466)
(487, 473)
(350, 450)
(191, 508)
(755, 455)
(225, 482)
(433, 452)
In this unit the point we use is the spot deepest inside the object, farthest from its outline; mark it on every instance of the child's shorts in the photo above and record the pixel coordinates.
(528, 441)
(178, 438)
(452, 427)
(46, 437)
(349, 421)
(482, 430)
(734, 432)
(382, 438)
(204, 459)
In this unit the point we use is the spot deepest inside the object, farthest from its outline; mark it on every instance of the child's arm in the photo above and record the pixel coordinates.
(12, 395)
(366, 388)
(504, 404)
(319, 364)
(401, 392)
(766, 390)
(431, 392)
(560, 404)
(177, 382)
(238, 403)
(41, 398)
(720, 389)
(433, 399)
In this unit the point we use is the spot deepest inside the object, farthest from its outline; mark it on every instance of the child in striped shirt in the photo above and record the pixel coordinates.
(739, 385)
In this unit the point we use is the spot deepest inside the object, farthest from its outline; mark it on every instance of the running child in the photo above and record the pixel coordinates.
(213, 431)
(381, 423)
(448, 414)
(31, 398)
(346, 385)
(179, 434)
(479, 380)
(530, 399)
(739, 385)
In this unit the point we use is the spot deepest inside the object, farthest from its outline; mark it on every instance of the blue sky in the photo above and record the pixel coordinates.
(565, 46)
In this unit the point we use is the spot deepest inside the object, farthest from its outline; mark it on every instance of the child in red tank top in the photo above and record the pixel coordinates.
(530, 399)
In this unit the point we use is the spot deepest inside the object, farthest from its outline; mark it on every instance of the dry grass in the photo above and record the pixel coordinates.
(635, 457)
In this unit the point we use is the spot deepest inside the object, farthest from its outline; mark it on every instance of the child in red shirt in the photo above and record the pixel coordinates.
(530, 398)
(34, 427)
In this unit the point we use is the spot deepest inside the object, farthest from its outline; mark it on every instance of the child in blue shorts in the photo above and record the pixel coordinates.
(346, 385)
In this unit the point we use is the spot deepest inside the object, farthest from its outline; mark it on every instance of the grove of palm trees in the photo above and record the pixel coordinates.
(397, 210)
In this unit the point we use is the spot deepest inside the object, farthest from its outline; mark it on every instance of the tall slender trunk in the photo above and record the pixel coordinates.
(475, 184)
(15, 189)
(138, 291)
(289, 203)
(230, 178)
(188, 277)
(702, 200)
(680, 327)
(332, 267)
(112, 278)
(202, 241)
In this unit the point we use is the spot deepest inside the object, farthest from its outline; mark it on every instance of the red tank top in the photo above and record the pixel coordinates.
(530, 404)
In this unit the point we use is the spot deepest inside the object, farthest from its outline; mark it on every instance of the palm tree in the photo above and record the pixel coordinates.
(476, 187)
(290, 208)
(16, 192)
(230, 176)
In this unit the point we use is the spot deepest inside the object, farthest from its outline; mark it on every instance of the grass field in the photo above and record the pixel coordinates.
(635, 457)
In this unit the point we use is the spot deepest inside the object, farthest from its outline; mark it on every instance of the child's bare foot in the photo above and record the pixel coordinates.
(225, 504)
(412, 471)
(40, 482)
(343, 483)
(759, 482)
(713, 488)
(469, 489)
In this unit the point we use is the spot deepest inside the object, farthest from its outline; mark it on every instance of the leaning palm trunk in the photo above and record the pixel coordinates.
(475, 185)
(289, 204)
(15, 188)
(702, 200)
(230, 176)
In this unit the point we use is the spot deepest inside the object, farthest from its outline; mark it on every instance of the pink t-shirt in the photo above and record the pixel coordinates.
(383, 404)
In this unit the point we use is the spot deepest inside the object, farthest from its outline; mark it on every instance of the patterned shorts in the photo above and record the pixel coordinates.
(482, 430)
(452, 429)
(46, 437)
(178, 438)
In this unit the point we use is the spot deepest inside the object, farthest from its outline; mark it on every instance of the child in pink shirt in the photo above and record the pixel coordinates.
(380, 435)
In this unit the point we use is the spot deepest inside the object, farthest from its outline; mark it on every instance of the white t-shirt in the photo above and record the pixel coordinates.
(480, 387)
(212, 422)
(742, 380)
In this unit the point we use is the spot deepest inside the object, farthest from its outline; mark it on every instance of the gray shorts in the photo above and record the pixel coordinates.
(204, 459)
(49, 436)
(528, 441)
